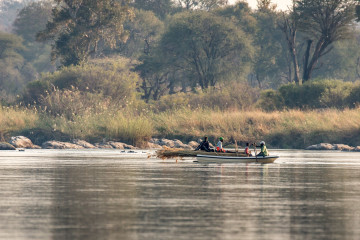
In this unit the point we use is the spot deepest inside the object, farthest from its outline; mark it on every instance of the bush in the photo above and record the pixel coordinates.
(270, 100)
(72, 102)
(75, 89)
(353, 99)
(311, 95)
(233, 96)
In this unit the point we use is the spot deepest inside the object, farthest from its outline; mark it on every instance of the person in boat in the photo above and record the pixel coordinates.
(263, 150)
(204, 146)
(247, 151)
(219, 146)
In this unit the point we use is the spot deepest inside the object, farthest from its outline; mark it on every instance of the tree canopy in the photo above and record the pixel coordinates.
(80, 29)
(204, 46)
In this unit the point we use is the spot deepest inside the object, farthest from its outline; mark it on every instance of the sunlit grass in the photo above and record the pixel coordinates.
(14, 119)
(289, 129)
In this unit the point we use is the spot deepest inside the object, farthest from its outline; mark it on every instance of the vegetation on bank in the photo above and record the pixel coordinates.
(280, 129)
(181, 69)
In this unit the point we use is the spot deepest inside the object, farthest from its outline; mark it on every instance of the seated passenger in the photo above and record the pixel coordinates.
(263, 152)
(247, 151)
(219, 147)
(204, 146)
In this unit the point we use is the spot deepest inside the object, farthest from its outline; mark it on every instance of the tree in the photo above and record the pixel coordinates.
(161, 8)
(201, 4)
(29, 21)
(241, 14)
(206, 46)
(13, 70)
(144, 31)
(270, 61)
(80, 29)
(325, 22)
(32, 19)
(154, 73)
(8, 12)
(289, 27)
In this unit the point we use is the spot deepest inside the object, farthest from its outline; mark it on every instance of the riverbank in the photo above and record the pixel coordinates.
(280, 129)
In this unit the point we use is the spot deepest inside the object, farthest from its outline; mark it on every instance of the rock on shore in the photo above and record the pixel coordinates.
(6, 146)
(22, 142)
(82, 143)
(114, 145)
(328, 146)
(60, 145)
(154, 143)
(170, 143)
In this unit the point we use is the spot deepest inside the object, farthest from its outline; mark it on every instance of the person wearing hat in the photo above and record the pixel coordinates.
(219, 147)
(263, 151)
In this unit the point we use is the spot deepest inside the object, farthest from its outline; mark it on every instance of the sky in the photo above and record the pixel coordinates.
(281, 4)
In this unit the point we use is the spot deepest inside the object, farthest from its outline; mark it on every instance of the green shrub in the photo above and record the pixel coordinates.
(311, 95)
(232, 96)
(270, 100)
(95, 85)
(353, 99)
(34, 91)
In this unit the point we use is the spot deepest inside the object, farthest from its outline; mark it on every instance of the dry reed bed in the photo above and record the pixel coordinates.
(286, 129)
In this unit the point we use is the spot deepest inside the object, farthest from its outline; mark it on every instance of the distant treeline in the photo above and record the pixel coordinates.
(190, 53)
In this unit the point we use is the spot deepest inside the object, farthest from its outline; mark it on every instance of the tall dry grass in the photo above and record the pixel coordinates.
(285, 129)
(94, 127)
(14, 119)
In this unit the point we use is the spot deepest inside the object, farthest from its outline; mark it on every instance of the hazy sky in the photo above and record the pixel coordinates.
(282, 4)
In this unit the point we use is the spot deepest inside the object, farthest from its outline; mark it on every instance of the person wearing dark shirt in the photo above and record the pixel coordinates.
(204, 145)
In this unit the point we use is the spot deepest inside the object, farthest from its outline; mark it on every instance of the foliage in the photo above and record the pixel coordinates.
(8, 12)
(287, 129)
(82, 28)
(14, 72)
(270, 100)
(233, 96)
(88, 87)
(312, 95)
(30, 20)
(324, 23)
(161, 8)
(206, 46)
(343, 60)
(271, 58)
(241, 14)
(144, 32)
(15, 118)
(201, 4)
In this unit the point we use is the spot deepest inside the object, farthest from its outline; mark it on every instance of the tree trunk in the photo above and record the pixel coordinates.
(296, 66)
(306, 75)
(318, 52)
(289, 29)
(258, 80)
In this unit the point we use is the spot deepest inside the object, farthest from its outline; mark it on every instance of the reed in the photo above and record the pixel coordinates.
(14, 119)
(289, 129)
(283, 129)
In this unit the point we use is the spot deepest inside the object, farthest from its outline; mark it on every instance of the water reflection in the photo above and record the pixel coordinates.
(85, 195)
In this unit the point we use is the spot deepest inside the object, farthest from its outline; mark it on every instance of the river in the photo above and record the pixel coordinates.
(106, 194)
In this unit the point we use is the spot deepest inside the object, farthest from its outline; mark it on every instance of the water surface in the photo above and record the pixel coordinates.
(105, 194)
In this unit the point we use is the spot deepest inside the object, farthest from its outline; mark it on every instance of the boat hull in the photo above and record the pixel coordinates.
(234, 159)
(175, 153)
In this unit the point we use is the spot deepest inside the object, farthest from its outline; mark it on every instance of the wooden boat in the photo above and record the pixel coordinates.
(234, 159)
(174, 153)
